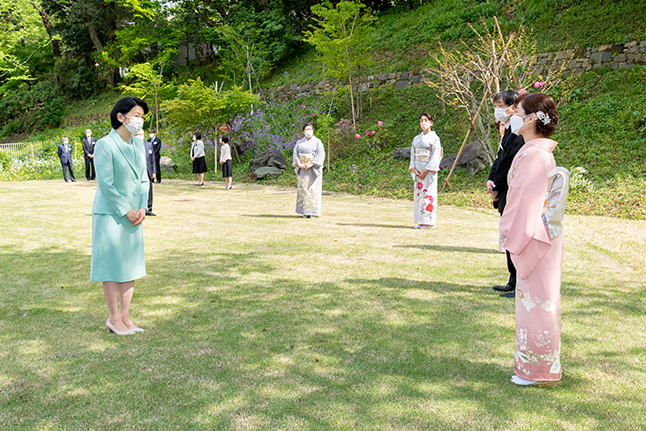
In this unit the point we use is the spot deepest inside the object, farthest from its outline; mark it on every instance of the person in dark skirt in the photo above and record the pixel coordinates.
(226, 162)
(199, 160)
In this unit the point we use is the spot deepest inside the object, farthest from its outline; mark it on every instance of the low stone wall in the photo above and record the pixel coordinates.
(582, 60)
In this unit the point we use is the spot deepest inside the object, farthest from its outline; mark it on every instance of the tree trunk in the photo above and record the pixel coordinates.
(95, 39)
(48, 27)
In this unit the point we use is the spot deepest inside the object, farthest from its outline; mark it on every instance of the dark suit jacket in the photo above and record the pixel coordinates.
(66, 157)
(150, 159)
(157, 143)
(88, 145)
(509, 147)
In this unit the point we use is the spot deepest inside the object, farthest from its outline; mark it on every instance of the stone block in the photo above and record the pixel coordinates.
(633, 57)
(617, 49)
(642, 44)
(596, 65)
(404, 75)
(560, 55)
(416, 79)
(631, 44)
(614, 66)
(578, 71)
(580, 52)
(604, 48)
(383, 77)
(400, 85)
(644, 58)
(633, 50)
(621, 58)
(600, 57)
(622, 65)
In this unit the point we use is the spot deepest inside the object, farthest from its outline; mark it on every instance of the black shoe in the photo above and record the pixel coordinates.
(510, 294)
(150, 214)
(67, 181)
(73, 180)
(505, 288)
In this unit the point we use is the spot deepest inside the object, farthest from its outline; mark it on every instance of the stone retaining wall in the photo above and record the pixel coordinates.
(631, 54)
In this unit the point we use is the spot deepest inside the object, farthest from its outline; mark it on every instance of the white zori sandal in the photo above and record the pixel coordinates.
(523, 382)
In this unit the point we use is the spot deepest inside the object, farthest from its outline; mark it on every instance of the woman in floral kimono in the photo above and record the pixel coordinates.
(530, 225)
(308, 159)
(425, 157)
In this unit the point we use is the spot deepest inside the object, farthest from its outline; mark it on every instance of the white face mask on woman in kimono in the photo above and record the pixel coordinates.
(517, 123)
(308, 133)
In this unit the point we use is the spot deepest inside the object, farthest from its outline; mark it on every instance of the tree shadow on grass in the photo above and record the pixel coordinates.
(228, 345)
(391, 226)
(448, 248)
(272, 216)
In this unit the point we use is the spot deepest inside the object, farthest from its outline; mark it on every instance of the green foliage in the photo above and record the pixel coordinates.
(341, 37)
(197, 105)
(602, 126)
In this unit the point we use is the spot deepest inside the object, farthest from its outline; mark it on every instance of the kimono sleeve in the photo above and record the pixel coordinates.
(433, 163)
(319, 158)
(521, 224)
(412, 159)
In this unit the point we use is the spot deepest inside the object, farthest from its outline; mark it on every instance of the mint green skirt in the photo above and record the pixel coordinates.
(117, 249)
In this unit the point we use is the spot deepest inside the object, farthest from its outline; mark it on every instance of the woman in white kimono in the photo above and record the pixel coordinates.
(308, 159)
(425, 157)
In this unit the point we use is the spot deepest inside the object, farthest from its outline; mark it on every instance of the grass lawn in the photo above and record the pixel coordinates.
(258, 319)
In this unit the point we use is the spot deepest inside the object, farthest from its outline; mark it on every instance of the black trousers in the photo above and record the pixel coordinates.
(512, 270)
(150, 194)
(68, 165)
(89, 169)
(158, 170)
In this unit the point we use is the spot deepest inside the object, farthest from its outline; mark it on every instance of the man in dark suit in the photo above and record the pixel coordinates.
(88, 152)
(65, 156)
(497, 182)
(152, 174)
(157, 144)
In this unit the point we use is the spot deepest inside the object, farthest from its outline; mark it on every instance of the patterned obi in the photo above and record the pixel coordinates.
(422, 155)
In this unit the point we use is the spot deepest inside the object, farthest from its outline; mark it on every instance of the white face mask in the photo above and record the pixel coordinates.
(136, 124)
(308, 133)
(500, 115)
(517, 123)
(88, 134)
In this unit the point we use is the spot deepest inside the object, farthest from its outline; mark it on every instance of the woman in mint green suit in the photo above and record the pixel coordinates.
(118, 212)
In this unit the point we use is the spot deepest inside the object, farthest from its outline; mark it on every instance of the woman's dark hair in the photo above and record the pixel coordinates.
(123, 106)
(535, 102)
(427, 115)
(225, 139)
(307, 124)
(508, 97)
(197, 135)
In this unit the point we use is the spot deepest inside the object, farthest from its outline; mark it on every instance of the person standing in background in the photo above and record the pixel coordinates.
(65, 156)
(497, 187)
(308, 159)
(425, 157)
(157, 144)
(150, 168)
(88, 152)
(198, 157)
(226, 162)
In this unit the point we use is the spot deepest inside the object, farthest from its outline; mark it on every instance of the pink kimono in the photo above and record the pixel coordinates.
(537, 253)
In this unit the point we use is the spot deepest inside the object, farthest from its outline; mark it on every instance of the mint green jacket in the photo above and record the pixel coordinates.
(121, 177)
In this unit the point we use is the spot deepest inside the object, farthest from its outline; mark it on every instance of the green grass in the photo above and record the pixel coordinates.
(258, 319)
(403, 37)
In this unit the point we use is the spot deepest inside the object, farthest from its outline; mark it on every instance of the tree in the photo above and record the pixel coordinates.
(467, 78)
(197, 105)
(341, 37)
(147, 83)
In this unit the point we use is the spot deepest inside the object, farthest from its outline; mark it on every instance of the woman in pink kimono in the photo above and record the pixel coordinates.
(530, 225)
